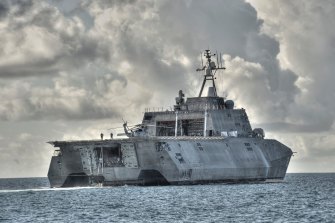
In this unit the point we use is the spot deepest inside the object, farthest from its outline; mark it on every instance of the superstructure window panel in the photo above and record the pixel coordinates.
(200, 147)
(165, 128)
(180, 158)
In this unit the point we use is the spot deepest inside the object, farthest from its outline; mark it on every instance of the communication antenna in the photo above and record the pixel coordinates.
(202, 62)
(221, 59)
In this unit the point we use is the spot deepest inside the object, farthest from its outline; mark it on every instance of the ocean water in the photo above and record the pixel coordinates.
(300, 198)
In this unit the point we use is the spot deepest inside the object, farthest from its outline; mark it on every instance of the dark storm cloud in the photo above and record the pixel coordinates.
(3, 9)
(189, 28)
(233, 27)
(158, 42)
(305, 33)
(45, 67)
(23, 6)
(45, 42)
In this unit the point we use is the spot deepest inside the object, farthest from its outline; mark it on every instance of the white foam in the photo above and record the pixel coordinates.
(45, 189)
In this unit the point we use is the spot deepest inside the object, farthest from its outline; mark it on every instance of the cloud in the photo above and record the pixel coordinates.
(3, 9)
(23, 154)
(304, 31)
(251, 85)
(143, 44)
(306, 37)
(37, 39)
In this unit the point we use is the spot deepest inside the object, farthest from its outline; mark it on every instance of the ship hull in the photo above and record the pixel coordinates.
(168, 161)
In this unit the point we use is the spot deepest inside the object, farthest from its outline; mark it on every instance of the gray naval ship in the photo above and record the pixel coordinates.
(202, 140)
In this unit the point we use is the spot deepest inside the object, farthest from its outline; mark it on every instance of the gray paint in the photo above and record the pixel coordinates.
(214, 143)
(218, 159)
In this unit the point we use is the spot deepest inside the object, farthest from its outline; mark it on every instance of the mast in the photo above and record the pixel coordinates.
(176, 126)
(205, 123)
(210, 69)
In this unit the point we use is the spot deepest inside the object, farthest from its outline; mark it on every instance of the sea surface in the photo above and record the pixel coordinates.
(300, 198)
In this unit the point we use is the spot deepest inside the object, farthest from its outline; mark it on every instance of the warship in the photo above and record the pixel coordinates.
(201, 140)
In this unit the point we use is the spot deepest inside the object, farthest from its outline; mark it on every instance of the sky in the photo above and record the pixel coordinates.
(73, 69)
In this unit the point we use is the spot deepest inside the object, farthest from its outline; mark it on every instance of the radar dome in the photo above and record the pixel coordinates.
(258, 133)
(229, 104)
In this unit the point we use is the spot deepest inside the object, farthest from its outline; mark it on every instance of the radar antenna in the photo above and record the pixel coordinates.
(210, 70)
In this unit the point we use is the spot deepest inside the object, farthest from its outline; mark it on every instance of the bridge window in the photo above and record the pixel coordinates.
(147, 117)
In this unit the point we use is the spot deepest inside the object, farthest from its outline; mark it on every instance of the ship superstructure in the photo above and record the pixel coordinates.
(203, 139)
